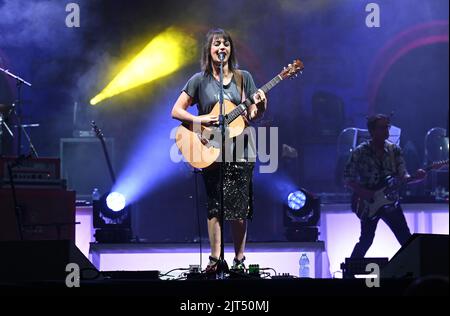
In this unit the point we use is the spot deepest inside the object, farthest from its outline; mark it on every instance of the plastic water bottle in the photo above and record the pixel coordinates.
(304, 266)
(95, 194)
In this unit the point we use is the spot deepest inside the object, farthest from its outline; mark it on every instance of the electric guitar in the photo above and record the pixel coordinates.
(388, 195)
(100, 136)
(201, 145)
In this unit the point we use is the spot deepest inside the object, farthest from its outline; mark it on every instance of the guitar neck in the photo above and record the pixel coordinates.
(105, 151)
(108, 161)
(428, 169)
(230, 117)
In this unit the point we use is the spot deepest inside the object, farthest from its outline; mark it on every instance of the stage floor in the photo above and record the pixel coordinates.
(339, 231)
(276, 257)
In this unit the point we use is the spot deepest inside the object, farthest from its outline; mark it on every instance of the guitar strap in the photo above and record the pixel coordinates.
(241, 91)
(240, 84)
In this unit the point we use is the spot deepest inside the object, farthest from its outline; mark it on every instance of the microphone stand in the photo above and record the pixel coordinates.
(17, 208)
(18, 113)
(222, 266)
(3, 123)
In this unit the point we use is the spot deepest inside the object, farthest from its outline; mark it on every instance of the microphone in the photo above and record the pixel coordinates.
(221, 56)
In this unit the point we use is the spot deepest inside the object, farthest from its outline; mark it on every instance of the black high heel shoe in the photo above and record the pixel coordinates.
(212, 265)
(238, 264)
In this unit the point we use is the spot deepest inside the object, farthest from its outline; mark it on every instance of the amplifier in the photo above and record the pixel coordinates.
(35, 183)
(46, 214)
(30, 169)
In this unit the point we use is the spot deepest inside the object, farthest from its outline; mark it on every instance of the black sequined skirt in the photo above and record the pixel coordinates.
(238, 190)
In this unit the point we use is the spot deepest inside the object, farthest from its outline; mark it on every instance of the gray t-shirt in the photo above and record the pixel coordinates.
(204, 88)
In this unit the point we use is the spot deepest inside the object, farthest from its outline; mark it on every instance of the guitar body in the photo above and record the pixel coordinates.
(200, 145)
(368, 209)
(381, 198)
(358, 207)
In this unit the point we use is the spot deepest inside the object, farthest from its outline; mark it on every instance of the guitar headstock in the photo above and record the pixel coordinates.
(292, 69)
(97, 131)
(439, 164)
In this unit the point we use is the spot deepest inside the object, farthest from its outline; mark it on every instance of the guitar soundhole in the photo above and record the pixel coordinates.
(202, 139)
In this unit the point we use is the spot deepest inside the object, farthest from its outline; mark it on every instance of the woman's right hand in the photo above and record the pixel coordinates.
(207, 120)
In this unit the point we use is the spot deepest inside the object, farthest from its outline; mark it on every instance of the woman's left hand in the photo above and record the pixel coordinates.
(259, 97)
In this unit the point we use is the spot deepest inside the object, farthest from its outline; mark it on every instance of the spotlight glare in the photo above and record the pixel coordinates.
(166, 53)
(115, 201)
(296, 200)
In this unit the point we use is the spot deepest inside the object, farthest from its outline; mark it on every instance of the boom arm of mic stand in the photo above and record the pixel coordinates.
(6, 71)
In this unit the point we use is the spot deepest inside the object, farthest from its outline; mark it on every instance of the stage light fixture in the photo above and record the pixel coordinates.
(301, 216)
(296, 200)
(112, 219)
(115, 201)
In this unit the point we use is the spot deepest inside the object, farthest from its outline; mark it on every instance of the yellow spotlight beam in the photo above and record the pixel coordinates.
(167, 52)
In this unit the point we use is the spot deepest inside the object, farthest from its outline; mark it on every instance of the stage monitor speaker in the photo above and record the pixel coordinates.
(84, 166)
(43, 260)
(423, 255)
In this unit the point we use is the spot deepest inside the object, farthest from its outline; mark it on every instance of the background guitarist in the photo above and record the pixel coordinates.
(203, 89)
(365, 172)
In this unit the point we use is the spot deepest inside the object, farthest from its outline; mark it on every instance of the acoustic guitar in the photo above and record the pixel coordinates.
(201, 145)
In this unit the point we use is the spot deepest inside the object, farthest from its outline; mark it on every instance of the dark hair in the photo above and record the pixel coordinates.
(205, 61)
(372, 121)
